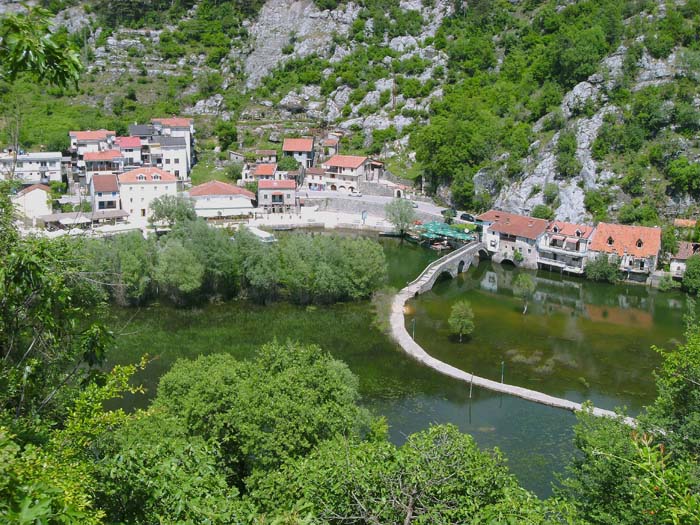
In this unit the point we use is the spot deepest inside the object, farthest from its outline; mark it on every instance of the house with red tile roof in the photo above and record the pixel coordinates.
(216, 199)
(40, 167)
(178, 127)
(277, 196)
(138, 188)
(82, 142)
(266, 156)
(564, 247)
(264, 172)
(331, 146)
(511, 237)
(109, 161)
(635, 247)
(345, 172)
(301, 149)
(104, 192)
(33, 201)
(131, 149)
(685, 251)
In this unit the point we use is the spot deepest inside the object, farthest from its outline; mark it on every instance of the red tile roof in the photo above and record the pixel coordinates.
(216, 187)
(148, 173)
(569, 229)
(277, 185)
(513, 224)
(686, 250)
(128, 142)
(315, 171)
(639, 241)
(304, 145)
(684, 223)
(173, 122)
(98, 134)
(345, 161)
(329, 142)
(105, 183)
(33, 187)
(110, 154)
(266, 152)
(264, 170)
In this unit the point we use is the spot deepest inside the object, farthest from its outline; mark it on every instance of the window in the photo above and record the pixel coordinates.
(578, 233)
(166, 188)
(167, 161)
(177, 173)
(177, 161)
(143, 212)
(141, 177)
(99, 194)
(265, 196)
(131, 199)
(610, 241)
(639, 243)
(156, 177)
(555, 229)
(289, 196)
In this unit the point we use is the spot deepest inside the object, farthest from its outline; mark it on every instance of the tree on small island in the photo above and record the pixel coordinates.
(524, 286)
(461, 319)
(400, 213)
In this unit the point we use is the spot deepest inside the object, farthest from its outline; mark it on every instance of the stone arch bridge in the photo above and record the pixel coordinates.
(453, 264)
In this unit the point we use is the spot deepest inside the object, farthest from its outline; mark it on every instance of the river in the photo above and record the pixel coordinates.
(578, 340)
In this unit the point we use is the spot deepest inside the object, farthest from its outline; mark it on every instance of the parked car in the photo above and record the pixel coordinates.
(467, 217)
(414, 204)
(356, 194)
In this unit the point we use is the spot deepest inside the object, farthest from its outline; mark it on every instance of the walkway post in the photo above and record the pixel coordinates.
(502, 369)
(413, 325)
(471, 384)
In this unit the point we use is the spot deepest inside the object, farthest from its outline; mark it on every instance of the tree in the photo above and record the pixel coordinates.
(264, 411)
(567, 163)
(401, 214)
(171, 209)
(29, 47)
(461, 319)
(691, 277)
(524, 286)
(227, 133)
(178, 271)
(602, 268)
(542, 211)
(287, 163)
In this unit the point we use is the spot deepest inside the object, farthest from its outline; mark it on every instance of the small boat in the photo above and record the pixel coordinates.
(283, 227)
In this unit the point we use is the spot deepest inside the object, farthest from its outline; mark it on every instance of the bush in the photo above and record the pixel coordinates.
(603, 269)
(567, 164)
(542, 211)
(691, 278)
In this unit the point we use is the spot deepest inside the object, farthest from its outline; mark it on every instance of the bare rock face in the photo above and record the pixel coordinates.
(279, 20)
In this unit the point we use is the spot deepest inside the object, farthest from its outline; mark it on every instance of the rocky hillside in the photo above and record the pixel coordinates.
(579, 110)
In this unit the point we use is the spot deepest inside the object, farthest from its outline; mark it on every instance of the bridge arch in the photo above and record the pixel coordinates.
(460, 266)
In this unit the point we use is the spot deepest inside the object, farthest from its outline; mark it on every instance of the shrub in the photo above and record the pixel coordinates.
(691, 278)
(542, 211)
(603, 269)
(567, 163)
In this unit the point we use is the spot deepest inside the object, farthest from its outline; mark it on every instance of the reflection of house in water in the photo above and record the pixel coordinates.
(675, 304)
(489, 282)
(619, 316)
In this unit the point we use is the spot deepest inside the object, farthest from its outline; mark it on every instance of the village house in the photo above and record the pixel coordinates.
(344, 172)
(277, 195)
(235, 156)
(33, 201)
(330, 146)
(138, 188)
(104, 192)
(685, 251)
(216, 199)
(130, 148)
(511, 237)
(103, 162)
(314, 178)
(142, 131)
(178, 127)
(375, 170)
(636, 247)
(265, 156)
(169, 154)
(301, 149)
(264, 172)
(82, 142)
(564, 246)
(31, 168)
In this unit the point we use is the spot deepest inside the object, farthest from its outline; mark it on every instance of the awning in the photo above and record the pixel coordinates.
(571, 244)
(557, 237)
(67, 221)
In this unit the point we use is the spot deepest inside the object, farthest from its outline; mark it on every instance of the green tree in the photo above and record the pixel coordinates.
(264, 411)
(691, 277)
(287, 163)
(542, 211)
(524, 286)
(171, 209)
(178, 271)
(603, 268)
(567, 164)
(461, 319)
(227, 133)
(400, 213)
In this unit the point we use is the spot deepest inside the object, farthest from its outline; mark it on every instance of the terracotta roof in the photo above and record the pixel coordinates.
(266, 152)
(277, 185)
(148, 173)
(216, 187)
(345, 161)
(128, 142)
(264, 170)
(686, 250)
(173, 122)
(569, 229)
(513, 224)
(315, 171)
(110, 154)
(639, 241)
(329, 142)
(305, 145)
(105, 183)
(33, 187)
(684, 223)
(98, 134)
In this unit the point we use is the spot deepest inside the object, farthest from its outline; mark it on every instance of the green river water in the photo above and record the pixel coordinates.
(578, 340)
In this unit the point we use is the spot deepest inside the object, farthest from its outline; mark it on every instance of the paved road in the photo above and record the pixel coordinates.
(425, 207)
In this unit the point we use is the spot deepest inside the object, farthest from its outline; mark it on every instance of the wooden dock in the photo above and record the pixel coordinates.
(424, 283)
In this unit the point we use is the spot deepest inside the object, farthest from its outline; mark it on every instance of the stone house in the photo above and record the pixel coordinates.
(276, 195)
(301, 149)
(216, 199)
(678, 259)
(104, 192)
(139, 187)
(344, 172)
(32, 168)
(33, 201)
(265, 156)
(636, 247)
(512, 237)
(103, 162)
